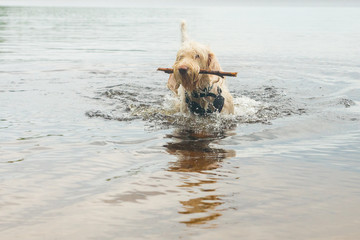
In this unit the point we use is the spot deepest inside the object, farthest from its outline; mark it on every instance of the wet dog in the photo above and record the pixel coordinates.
(200, 94)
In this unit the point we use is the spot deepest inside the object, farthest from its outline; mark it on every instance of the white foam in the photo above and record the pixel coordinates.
(246, 107)
(171, 103)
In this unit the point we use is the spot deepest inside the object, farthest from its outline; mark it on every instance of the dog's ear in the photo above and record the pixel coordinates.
(213, 63)
(172, 84)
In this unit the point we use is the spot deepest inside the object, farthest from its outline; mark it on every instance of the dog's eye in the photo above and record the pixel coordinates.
(197, 56)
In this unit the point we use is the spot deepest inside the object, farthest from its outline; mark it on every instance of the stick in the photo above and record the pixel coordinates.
(202, 71)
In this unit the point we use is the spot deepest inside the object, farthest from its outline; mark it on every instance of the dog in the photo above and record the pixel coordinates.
(200, 94)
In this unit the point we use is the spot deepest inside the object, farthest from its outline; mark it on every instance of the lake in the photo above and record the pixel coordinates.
(91, 146)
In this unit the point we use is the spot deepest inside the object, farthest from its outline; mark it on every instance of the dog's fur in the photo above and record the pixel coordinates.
(185, 80)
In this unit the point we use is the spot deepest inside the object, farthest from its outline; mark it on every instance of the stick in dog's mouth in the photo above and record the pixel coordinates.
(202, 71)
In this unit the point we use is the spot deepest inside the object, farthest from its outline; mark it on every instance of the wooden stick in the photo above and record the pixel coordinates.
(202, 71)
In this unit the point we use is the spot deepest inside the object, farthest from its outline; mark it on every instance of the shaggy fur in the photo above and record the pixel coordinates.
(190, 58)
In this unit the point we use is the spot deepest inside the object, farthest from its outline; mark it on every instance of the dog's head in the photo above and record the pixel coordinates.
(190, 59)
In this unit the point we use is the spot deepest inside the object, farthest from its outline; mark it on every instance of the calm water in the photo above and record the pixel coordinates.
(91, 147)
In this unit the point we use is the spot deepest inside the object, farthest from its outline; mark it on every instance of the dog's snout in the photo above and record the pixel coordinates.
(183, 69)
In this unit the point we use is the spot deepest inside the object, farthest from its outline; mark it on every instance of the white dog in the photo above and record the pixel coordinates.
(200, 94)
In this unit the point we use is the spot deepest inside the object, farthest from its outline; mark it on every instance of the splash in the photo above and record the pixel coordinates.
(260, 105)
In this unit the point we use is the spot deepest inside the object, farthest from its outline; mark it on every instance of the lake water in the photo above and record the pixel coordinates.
(91, 147)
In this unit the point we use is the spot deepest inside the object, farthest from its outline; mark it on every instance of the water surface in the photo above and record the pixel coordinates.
(92, 148)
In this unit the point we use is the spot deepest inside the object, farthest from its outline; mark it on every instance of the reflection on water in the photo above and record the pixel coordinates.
(195, 154)
(206, 205)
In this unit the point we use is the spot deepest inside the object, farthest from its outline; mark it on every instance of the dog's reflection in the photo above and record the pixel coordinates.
(195, 154)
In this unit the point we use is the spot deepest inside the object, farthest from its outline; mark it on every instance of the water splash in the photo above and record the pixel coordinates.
(160, 110)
